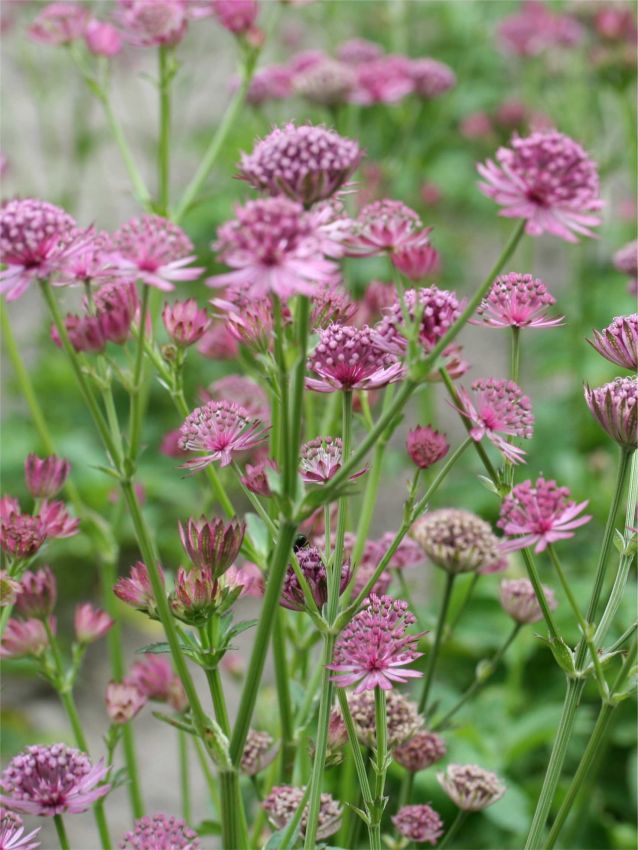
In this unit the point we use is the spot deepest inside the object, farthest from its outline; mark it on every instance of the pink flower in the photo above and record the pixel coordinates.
(236, 16)
(102, 38)
(59, 23)
(500, 408)
(123, 702)
(615, 406)
(12, 834)
(57, 521)
(197, 593)
(539, 514)
(255, 478)
(45, 476)
(321, 459)
(383, 226)
(426, 446)
(377, 297)
(374, 649)
(347, 358)
(24, 637)
(383, 80)
(271, 83)
(457, 541)
(517, 301)
(314, 570)
(626, 261)
(616, 24)
(618, 342)
(356, 51)
(116, 305)
(258, 753)
(328, 82)
(408, 553)
(306, 163)
(91, 623)
(536, 28)
(153, 676)
(416, 258)
(331, 304)
(136, 590)
(149, 23)
(274, 246)
(212, 544)
(547, 179)
(153, 832)
(22, 535)
(91, 262)
(420, 751)
(420, 824)
(37, 594)
(218, 343)
(36, 238)
(249, 577)
(476, 125)
(250, 323)
(471, 787)
(85, 333)
(185, 321)
(431, 78)
(52, 780)
(518, 599)
(241, 390)
(219, 428)
(283, 802)
(154, 250)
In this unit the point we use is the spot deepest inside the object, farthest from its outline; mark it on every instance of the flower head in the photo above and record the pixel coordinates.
(255, 478)
(426, 446)
(499, 408)
(615, 406)
(35, 239)
(347, 358)
(471, 787)
(419, 823)
(154, 250)
(328, 82)
(306, 163)
(535, 28)
(329, 305)
(258, 752)
(547, 179)
(91, 623)
(12, 834)
(91, 263)
(116, 305)
(236, 16)
(102, 38)
(383, 226)
(219, 428)
(403, 716)
(52, 780)
(386, 79)
(355, 51)
(153, 676)
(57, 521)
(539, 514)
(197, 593)
(518, 599)
(243, 391)
(24, 637)
(22, 535)
(420, 751)
(37, 594)
(274, 82)
(456, 540)
(185, 321)
(374, 649)
(212, 544)
(136, 590)
(416, 258)
(45, 476)
(273, 246)
(251, 323)
(284, 800)
(149, 23)
(517, 301)
(59, 23)
(160, 832)
(249, 578)
(321, 459)
(314, 570)
(123, 702)
(431, 78)
(618, 342)
(85, 333)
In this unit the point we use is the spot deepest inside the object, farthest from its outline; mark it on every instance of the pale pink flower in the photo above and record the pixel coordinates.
(615, 407)
(249, 577)
(155, 251)
(356, 51)
(258, 753)
(314, 570)
(85, 333)
(153, 676)
(219, 429)
(91, 623)
(626, 261)
(37, 594)
(517, 301)
(331, 304)
(374, 649)
(321, 459)
(243, 391)
(123, 702)
(431, 78)
(92, 262)
(102, 38)
(306, 163)
(383, 80)
(420, 824)
(347, 358)
(408, 552)
(547, 179)
(273, 246)
(185, 321)
(383, 226)
(236, 16)
(57, 521)
(160, 832)
(150, 23)
(535, 28)
(327, 82)
(136, 590)
(60, 23)
(416, 258)
(616, 24)
(426, 446)
(12, 834)
(116, 306)
(212, 544)
(218, 343)
(457, 541)
(618, 342)
(250, 323)
(284, 800)
(255, 478)
(52, 780)
(420, 751)
(45, 476)
(498, 408)
(519, 600)
(24, 637)
(471, 787)
(539, 514)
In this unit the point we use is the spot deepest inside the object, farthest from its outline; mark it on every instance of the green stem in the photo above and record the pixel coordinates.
(457, 823)
(184, 781)
(532, 573)
(516, 354)
(283, 449)
(381, 726)
(164, 142)
(283, 697)
(428, 675)
(299, 373)
(63, 838)
(464, 602)
(137, 399)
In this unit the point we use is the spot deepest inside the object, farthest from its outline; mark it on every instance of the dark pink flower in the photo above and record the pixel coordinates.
(420, 751)
(347, 358)
(383, 226)
(383, 80)
(149, 23)
(306, 163)
(615, 407)
(416, 258)
(408, 553)
(136, 590)
(283, 802)
(85, 333)
(123, 702)
(420, 824)
(274, 82)
(374, 649)
(60, 23)
(618, 342)
(535, 28)
(547, 179)
(518, 599)
(426, 446)
(116, 306)
(273, 246)
(255, 478)
(321, 459)
(212, 544)
(517, 301)
(102, 38)
(22, 535)
(237, 16)
(471, 787)
(91, 623)
(153, 676)
(431, 78)
(219, 429)
(314, 570)
(37, 595)
(616, 23)
(185, 321)
(539, 514)
(23, 638)
(160, 832)
(499, 408)
(154, 250)
(476, 125)
(57, 521)
(52, 780)
(45, 476)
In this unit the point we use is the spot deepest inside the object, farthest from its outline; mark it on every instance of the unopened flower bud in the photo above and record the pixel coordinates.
(426, 446)
(91, 623)
(45, 477)
(123, 702)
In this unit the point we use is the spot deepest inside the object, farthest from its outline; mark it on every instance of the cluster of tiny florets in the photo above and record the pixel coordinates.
(517, 301)
(615, 407)
(457, 540)
(348, 358)
(167, 832)
(283, 801)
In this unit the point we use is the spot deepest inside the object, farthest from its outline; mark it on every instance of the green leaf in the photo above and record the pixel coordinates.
(159, 648)
(208, 827)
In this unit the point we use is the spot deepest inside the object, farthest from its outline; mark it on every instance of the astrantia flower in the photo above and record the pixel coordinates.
(123, 702)
(85, 333)
(155, 251)
(148, 23)
(306, 163)
(426, 446)
(57, 521)
(321, 459)
(91, 623)
(102, 38)
(284, 800)
(535, 27)
(471, 787)
(518, 599)
(547, 179)
(255, 478)
(517, 301)
(618, 342)
(52, 780)
(347, 358)
(37, 594)
(35, 239)
(219, 428)
(383, 226)
(331, 304)
(419, 823)
(374, 649)
(116, 306)
(12, 834)
(212, 544)
(252, 323)
(314, 570)
(236, 16)
(45, 476)
(274, 246)
(615, 406)
(403, 717)
(416, 258)
(407, 554)
(59, 23)
(383, 80)
(185, 321)
(248, 577)
(420, 751)
(258, 752)
(153, 676)
(274, 82)
(160, 832)
(431, 78)
(328, 82)
(539, 514)
(499, 407)
(24, 637)
(136, 590)
(626, 261)
(21, 535)
(457, 541)
(92, 262)
(358, 50)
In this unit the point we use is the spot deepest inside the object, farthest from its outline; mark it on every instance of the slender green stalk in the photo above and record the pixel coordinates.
(359, 763)
(296, 410)
(209, 776)
(184, 779)
(516, 354)
(287, 838)
(381, 726)
(457, 823)
(283, 449)
(464, 602)
(135, 425)
(164, 141)
(532, 573)
(428, 675)
(283, 698)
(63, 838)
(140, 191)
